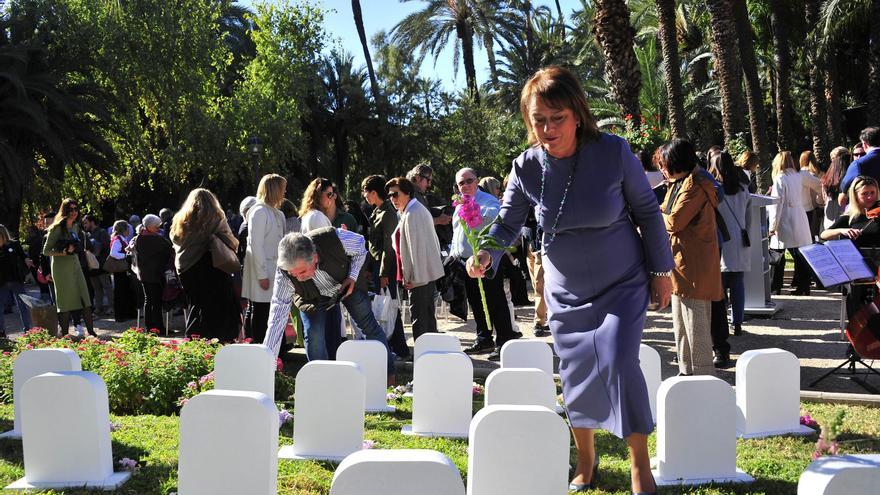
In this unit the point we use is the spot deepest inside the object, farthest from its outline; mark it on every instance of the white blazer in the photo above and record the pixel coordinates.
(788, 218)
(265, 229)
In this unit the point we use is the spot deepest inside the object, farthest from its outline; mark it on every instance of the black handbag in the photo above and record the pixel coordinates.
(744, 234)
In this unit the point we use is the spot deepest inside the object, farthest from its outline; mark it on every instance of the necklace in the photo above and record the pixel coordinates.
(545, 164)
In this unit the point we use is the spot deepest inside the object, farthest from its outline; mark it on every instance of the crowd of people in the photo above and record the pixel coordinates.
(675, 221)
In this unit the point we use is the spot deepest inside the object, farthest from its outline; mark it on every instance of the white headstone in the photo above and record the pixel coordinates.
(397, 472)
(841, 475)
(75, 451)
(442, 395)
(696, 432)
(32, 363)
(768, 387)
(518, 450)
(372, 357)
(328, 420)
(436, 342)
(521, 387)
(649, 361)
(228, 444)
(246, 367)
(524, 353)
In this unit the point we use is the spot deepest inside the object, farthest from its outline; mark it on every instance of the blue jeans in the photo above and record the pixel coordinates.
(361, 311)
(735, 282)
(24, 313)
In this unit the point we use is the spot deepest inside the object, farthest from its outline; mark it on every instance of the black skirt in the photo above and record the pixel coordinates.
(215, 311)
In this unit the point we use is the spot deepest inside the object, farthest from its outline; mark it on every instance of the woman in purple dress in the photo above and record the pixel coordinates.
(606, 253)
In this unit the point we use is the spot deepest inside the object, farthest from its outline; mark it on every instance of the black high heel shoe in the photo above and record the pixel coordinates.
(582, 487)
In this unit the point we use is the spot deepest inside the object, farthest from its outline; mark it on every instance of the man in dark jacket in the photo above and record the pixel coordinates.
(318, 272)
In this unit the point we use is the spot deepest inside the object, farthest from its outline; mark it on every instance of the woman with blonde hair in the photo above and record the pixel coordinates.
(318, 199)
(789, 226)
(265, 229)
(64, 243)
(215, 311)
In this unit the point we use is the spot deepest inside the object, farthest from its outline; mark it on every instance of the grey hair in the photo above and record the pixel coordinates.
(294, 247)
(246, 205)
(152, 221)
(120, 227)
(464, 171)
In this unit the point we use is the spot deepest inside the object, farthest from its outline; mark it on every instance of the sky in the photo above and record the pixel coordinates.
(385, 14)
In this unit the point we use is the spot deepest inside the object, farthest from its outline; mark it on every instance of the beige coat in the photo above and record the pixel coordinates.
(417, 246)
(266, 227)
(191, 248)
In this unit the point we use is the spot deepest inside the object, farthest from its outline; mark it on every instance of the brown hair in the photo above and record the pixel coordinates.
(748, 160)
(271, 190)
(402, 183)
(312, 197)
(200, 211)
(808, 161)
(64, 211)
(558, 88)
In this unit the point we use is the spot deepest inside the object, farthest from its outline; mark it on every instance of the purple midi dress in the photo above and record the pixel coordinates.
(596, 281)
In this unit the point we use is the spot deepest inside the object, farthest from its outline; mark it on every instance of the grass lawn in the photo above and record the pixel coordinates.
(776, 463)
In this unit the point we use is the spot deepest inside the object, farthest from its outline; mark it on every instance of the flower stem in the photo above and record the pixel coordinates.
(485, 305)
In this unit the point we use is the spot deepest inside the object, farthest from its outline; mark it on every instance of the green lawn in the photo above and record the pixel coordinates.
(152, 440)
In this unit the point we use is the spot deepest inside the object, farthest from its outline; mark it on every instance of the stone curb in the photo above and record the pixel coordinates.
(867, 400)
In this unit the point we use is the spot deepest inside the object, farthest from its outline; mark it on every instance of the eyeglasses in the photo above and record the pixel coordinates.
(331, 194)
(393, 194)
(467, 182)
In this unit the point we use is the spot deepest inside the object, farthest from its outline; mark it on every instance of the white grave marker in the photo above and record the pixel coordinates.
(768, 386)
(435, 342)
(518, 450)
(841, 475)
(523, 353)
(33, 363)
(74, 452)
(397, 472)
(442, 395)
(328, 420)
(245, 367)
(696, 432)
(228, 444)
(372, 357)
(521, 387)
(649, 361)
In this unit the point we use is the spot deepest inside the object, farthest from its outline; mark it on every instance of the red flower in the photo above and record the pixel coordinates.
(279, 365)
(154, 330)
(628, 116)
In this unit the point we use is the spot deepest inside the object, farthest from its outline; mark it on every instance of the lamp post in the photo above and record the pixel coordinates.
(255, 148)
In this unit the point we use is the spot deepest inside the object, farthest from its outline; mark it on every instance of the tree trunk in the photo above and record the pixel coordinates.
(782, 66)
(466, 34)
(359, 23)
(671, 68)
(615, 35)
(754, 93)
(874, 65)
(12, 193)
(727, 67)
(341, 145)
(818, 111)
(832, 98)
(561, 22)
(489, 43)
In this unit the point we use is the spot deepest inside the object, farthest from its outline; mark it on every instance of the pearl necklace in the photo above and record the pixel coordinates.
(545, 164)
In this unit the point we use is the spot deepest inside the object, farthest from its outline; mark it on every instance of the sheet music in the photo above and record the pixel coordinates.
(825, 265)
(852, 261)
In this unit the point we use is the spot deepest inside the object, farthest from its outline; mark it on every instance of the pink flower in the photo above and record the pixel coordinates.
(279, 364)
(468, 210)
(284, 417)
(369, 444)
(128, 464)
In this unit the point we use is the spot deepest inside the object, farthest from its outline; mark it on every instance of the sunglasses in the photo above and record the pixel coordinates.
(331, 194)
(467, 182)
(393, 194)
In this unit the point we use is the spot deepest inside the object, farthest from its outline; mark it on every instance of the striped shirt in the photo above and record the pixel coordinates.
(282, 295)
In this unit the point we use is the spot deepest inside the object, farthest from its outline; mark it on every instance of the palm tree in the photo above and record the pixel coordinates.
(671, 67)
(359, 24)
(754, 92)
(816, 58)
(615, 35)
(430, 29)
(727, 66)
(782, 67)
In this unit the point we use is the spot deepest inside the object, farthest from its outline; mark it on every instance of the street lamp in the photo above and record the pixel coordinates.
(255, 148)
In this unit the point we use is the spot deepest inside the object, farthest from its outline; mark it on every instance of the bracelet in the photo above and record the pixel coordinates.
(661, 274)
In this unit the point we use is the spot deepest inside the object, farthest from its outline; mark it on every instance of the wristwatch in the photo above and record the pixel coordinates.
(661, 274)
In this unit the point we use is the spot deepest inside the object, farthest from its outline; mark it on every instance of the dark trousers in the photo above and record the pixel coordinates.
(215, 310)
(153, 306)
(719, 328)
(519, 293)
(802, 273)
(256, 320)
(424, 318)
(124, 299)
(498, 310)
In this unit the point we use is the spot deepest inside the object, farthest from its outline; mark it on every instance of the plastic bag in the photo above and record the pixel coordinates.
(385, 311)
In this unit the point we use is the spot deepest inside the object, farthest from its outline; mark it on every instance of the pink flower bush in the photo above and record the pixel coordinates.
(128, 464)
(478, 389)
(808, 420)
(368, 444)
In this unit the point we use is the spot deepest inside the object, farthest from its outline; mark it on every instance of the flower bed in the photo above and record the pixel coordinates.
(143, 374)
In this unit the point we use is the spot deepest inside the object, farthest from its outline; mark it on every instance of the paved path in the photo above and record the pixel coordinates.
(807, 326)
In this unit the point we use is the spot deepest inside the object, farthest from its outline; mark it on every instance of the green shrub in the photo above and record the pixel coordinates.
(143, 374)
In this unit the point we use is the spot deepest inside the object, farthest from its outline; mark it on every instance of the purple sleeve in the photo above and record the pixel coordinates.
(646, 214)
(514, 211)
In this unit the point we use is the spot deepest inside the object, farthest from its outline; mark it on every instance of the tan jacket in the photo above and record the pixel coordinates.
(693, 233)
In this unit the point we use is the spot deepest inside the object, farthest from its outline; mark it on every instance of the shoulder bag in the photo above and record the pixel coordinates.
(223, 257)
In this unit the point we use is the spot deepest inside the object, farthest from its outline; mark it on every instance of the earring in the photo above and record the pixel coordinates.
(578, 125)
